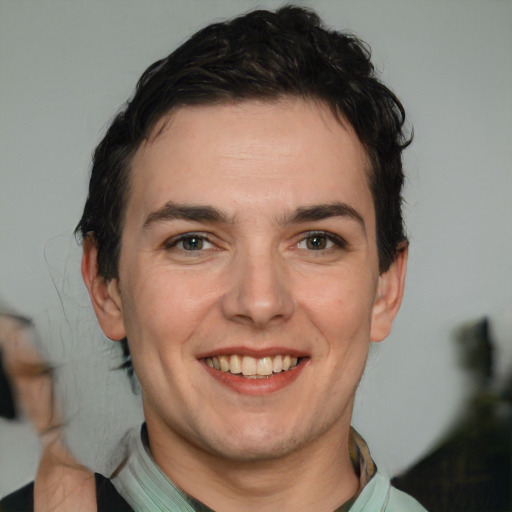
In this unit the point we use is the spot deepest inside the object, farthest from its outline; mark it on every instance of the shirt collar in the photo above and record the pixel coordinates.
(146, 488)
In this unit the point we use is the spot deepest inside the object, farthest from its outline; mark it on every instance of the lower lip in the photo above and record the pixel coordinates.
(256, 387)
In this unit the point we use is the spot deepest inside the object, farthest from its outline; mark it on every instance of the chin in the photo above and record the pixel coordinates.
(256, 452)
(258, 444)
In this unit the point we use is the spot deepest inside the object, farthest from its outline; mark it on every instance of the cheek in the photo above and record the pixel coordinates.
(165, 306)
(340, 307)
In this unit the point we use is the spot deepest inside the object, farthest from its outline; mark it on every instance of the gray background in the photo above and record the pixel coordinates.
(66, 66)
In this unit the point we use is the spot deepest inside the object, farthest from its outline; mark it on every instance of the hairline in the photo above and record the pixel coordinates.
(150, 136)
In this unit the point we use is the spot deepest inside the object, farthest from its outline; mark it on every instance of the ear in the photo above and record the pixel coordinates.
(390, 290)
(105, 296)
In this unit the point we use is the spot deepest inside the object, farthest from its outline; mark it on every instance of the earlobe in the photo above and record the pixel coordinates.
(390, 291)
(105, 297)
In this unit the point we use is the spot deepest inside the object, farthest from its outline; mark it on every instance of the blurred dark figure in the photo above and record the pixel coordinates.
(27, 391)
(471, 469)
(26, 378)
(7, 407)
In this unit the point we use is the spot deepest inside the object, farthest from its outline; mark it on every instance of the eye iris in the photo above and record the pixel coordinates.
(316, 242)
(192, 243)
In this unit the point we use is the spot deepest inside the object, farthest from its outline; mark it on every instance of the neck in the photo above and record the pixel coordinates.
(315, 477)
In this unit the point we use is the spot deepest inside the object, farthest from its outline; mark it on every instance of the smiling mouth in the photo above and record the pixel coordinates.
(251, 367)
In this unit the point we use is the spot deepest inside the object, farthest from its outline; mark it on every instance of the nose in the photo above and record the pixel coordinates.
(259, 291)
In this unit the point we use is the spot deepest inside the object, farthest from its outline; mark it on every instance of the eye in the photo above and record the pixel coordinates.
(321, 241)
(190, 242)
(316, 242)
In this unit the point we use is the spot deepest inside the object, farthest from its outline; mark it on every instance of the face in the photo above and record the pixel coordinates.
(248, 278)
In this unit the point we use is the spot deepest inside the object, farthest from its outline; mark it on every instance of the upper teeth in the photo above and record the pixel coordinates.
(248, 366)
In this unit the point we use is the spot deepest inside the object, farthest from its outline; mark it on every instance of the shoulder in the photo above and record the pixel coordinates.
(379, 495)
(107, 498)
(21, 500)
(401, 502)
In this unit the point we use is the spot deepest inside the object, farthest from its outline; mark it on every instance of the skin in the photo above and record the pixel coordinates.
(258, 285)
(61, 483)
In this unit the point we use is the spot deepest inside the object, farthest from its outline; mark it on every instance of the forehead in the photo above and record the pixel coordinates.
(285, 153)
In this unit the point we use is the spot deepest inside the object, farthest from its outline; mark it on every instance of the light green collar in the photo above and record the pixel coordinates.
(146, 488)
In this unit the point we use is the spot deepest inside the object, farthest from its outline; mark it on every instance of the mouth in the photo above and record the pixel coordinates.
(251, 367)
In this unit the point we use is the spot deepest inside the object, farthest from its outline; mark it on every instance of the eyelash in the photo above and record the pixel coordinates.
(172, 243)
(337, 240)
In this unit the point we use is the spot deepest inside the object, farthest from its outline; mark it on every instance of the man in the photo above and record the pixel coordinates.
(243, 235)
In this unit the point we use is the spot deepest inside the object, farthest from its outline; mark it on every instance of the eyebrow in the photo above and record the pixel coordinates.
(203, 213)
(174, 211)
(324, 211)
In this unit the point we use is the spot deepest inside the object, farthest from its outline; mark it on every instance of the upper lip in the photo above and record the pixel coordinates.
(257, 353)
